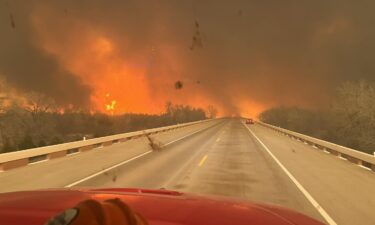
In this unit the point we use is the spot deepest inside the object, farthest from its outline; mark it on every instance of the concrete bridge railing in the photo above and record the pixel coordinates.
(352, 155)
(21, 158)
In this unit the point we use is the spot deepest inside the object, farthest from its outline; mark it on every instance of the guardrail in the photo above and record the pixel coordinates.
(16, 159)
(352, 155)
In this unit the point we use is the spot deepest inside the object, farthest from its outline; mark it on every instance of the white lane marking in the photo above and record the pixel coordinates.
(127, 161)
(108, 169)
(320, 209)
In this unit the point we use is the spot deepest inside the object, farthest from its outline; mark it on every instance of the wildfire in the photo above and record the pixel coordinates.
(99, 60)
(111, 106)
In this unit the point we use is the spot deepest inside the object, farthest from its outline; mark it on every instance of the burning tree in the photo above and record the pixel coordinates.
(212, 112)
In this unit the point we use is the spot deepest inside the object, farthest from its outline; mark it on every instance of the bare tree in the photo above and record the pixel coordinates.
(354, 108)
(38, 104)
(41, 126)
(349, 122)
(212, 112)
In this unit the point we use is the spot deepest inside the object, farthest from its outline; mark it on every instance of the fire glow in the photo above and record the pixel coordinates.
(110, 107)
(140, 79)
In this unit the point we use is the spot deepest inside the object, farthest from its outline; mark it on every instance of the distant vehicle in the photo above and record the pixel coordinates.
(137, 207)
(249, 121)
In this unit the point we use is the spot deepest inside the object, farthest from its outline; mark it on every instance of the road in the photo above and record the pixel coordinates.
(222, 157)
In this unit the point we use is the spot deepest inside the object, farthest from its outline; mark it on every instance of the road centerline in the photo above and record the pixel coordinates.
(203, 160)
(131, 159)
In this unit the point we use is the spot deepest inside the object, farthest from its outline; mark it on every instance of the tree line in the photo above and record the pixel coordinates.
(349, 121)
(38, 123)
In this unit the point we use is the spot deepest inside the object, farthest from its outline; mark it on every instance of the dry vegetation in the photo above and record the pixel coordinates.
(40, 124)
(350, 121)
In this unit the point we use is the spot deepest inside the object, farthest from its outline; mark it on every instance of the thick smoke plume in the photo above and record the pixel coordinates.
(241, 56)
(27, 66)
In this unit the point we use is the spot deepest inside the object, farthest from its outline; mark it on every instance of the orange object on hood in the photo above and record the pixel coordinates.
(92, 212)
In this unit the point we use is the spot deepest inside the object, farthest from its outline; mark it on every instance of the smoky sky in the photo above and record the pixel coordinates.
(26, 66)
(267, 52)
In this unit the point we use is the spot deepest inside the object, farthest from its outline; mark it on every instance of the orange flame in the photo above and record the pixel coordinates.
(111, 106)
(99, 60)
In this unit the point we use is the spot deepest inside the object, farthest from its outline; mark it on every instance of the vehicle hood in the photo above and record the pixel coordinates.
(159, 207)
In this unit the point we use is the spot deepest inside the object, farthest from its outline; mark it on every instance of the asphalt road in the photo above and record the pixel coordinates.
(224, 158)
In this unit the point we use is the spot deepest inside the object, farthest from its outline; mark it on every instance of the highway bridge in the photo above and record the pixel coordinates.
(225, 157)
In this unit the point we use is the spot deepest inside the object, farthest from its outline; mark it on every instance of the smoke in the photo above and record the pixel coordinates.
(241, 56)
(28, 67)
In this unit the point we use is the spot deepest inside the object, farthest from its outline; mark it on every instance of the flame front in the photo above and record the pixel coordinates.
(111, 106)
(140, 75)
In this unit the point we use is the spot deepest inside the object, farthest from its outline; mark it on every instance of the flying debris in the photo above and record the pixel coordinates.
(197, 24)
(154, 144)
(12, 23)
(197, 39)
(178, 85)
(112, 175)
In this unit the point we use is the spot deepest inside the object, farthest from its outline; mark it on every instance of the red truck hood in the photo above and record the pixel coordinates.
(159, 207)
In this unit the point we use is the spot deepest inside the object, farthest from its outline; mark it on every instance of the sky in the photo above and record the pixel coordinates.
(241, 56)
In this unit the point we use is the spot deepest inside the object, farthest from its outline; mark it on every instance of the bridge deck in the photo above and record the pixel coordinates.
(218, 158)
